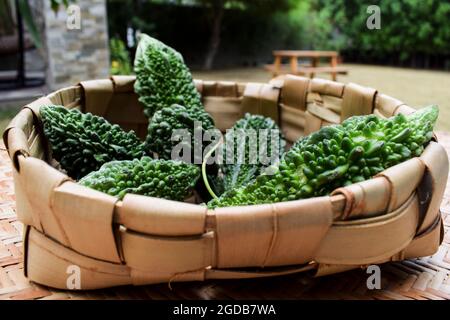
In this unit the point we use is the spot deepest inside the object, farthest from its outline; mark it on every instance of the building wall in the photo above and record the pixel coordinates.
(74, 55)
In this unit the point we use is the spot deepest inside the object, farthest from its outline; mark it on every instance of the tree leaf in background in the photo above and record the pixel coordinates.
(6, 21)
(56, 3)
(25, 11)
(27, 16)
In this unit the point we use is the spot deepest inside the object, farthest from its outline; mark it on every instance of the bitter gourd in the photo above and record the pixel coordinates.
(167, 120)
(162, 78)
(335, 156)
(252, 131)
(173, 180)
(162, 82)
(82, 142)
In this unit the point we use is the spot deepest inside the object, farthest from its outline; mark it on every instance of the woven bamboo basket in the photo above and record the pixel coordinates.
(144, 240)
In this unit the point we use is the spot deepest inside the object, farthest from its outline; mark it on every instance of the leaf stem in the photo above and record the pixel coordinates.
(204, 176)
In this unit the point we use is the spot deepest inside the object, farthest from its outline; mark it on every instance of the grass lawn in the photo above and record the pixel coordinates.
(5, 116)
(417, 88)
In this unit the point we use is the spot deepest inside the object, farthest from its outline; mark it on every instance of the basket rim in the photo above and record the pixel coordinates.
(125, 84)
(201, 243)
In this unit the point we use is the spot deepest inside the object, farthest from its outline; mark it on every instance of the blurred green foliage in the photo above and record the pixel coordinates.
(120, 57)
(305, 26)
(410, 29)
(413, 32)
(56, 4)
(249, 29)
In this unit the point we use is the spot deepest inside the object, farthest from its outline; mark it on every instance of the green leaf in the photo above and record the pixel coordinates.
(25, 11)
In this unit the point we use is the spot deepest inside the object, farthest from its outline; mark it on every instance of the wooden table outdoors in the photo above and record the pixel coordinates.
(425, 278)
(309, 69)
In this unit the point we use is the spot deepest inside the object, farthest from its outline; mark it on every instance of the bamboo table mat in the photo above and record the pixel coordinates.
(424, 278)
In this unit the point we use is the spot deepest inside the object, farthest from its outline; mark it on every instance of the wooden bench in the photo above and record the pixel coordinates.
(306, 69)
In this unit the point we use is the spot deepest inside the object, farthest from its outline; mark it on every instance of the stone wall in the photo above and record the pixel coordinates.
(74, 55)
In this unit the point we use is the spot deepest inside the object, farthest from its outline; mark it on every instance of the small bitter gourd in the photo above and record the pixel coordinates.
(164, 123)
(162, 77)
(244, 169)
(82, 142)
(164, 84)
(338, 155)
(168, 179)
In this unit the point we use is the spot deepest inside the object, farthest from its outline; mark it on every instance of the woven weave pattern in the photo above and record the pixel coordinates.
(425, 278)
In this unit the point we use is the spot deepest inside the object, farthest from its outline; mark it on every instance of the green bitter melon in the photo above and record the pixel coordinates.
(338, 155)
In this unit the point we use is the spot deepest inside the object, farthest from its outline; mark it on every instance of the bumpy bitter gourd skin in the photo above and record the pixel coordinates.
(82, 142)
(162, 81)
(162, 78)
(173, 180)
(242, 171)
(166, 120)
(339, 155)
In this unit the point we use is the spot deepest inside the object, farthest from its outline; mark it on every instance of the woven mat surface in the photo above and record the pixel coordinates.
(424, 278)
